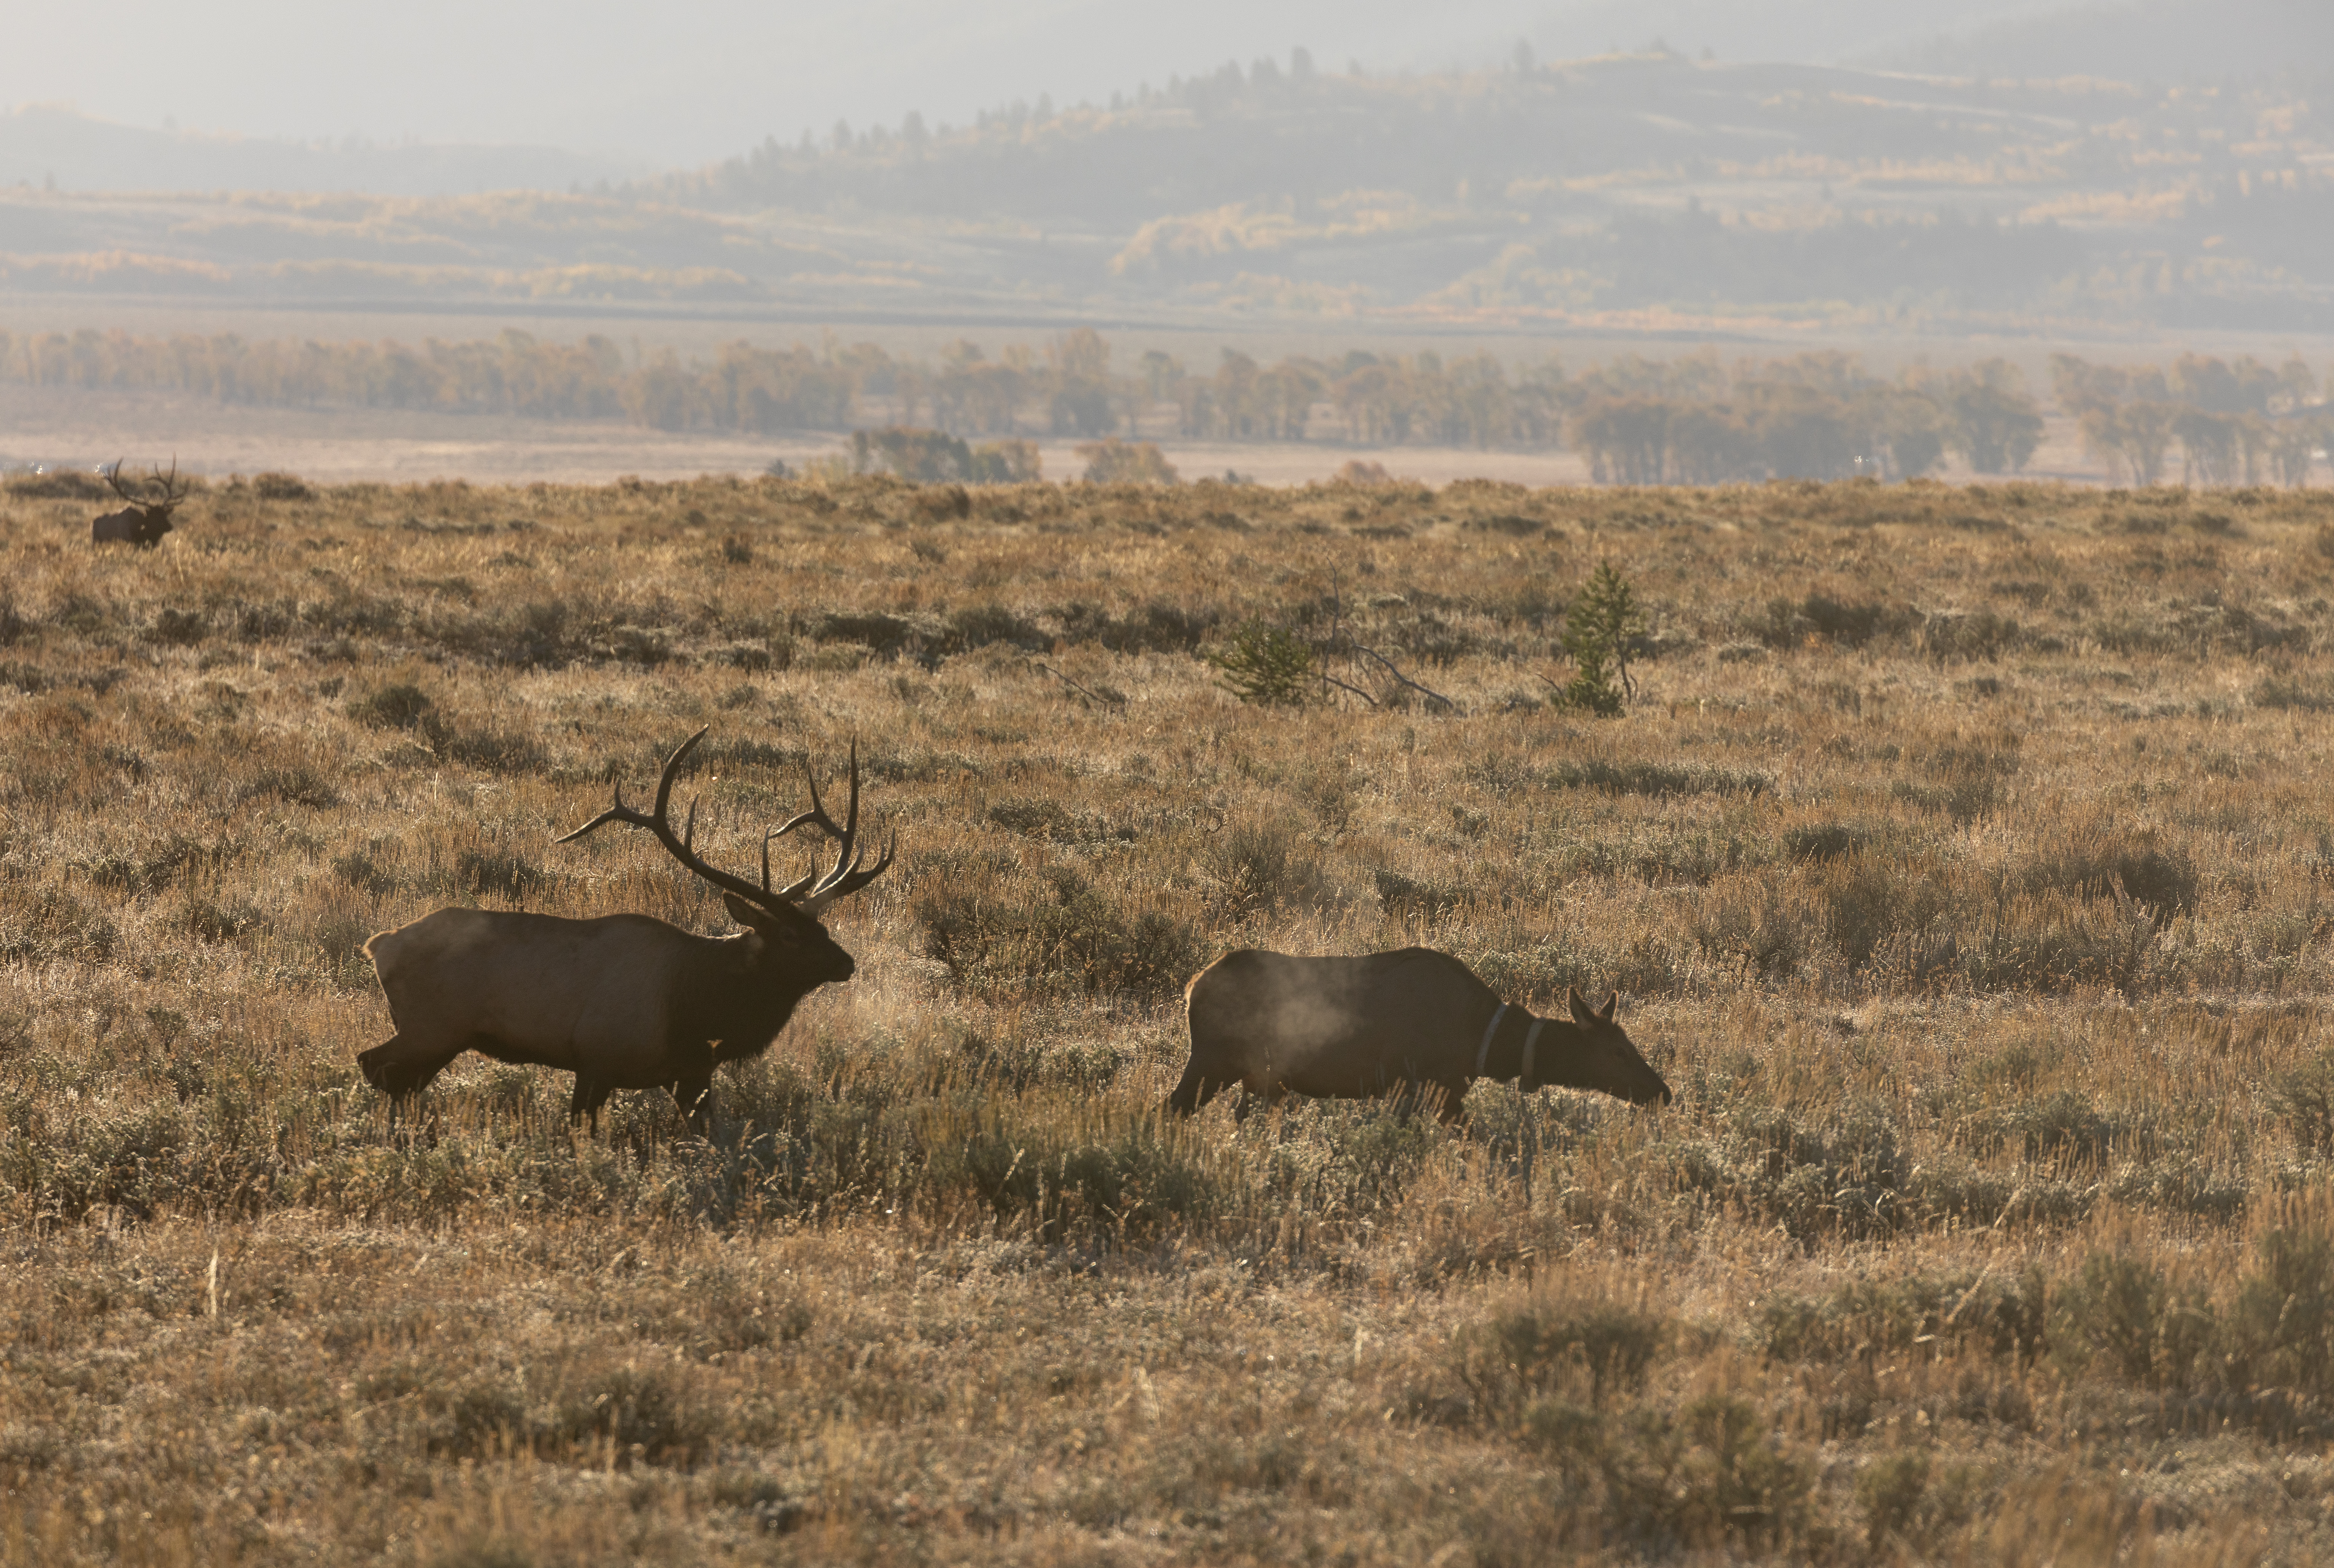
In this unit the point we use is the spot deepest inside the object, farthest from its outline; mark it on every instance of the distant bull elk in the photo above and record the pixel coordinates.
(1407, 1022)
(623, 1000)
(146, 518)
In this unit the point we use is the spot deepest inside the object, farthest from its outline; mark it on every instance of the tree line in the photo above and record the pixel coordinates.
(753, 390)
(2241, 423)
(1691, 420)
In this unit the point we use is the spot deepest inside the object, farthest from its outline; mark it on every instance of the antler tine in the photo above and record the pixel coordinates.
(619, 812)
(850, 871)
(846, 854)
(852, 881)
(680, 845)
(672, 770)
(792, 890)
(810, 894)
(816, 815)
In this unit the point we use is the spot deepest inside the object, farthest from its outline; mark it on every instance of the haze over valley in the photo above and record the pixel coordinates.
(1769, 180)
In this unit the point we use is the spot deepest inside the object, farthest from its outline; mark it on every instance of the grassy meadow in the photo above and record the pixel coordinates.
(1966, 860)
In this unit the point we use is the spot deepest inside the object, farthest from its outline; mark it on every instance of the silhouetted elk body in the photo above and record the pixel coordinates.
(622, 1000)
(145, 519)
(1409, 1022)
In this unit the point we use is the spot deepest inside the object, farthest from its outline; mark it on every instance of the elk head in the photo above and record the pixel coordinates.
(782, 924)
(1605, 1057)
(147, 517)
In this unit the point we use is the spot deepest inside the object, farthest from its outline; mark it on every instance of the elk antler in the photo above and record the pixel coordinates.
(171, 492)
(846, 876)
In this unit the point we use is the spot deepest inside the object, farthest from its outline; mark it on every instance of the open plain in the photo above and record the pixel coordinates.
(1964, 859)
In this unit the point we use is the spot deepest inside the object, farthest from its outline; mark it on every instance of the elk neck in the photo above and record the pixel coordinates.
(1515, 1044)
(746, 1010)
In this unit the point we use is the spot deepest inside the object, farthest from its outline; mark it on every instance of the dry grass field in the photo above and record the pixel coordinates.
(1966, 862)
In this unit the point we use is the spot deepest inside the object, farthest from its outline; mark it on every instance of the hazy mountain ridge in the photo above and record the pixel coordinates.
(1596, 189)
(2160, 41)
(51, 146)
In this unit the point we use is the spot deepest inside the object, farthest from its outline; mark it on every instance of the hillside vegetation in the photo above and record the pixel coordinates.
(1964, 858)
(1626, 191)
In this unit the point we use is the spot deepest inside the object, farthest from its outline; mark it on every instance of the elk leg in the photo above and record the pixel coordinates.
(695, 1097)
(1452, 1105)
(583, 1105)
(1195, 1091)
(1414, 1097)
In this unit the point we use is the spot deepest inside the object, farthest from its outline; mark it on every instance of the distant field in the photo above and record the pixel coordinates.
(1965, 861)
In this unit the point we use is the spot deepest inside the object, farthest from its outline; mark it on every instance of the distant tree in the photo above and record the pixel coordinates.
(1481, 407)
(1116, 462)
(1011, 462)
(1284, 396)
(1161, 371)
(1626, 439)
(2297, 388)
(2208, 447)
(2294, 440)
(1996, 428)
(1802, 432)
(1081, 354)
(2217, 387)
(1237, 403)
(922, 457)
(1082, 408)
(1709, 444)
(2132, 438)
(1079, 365)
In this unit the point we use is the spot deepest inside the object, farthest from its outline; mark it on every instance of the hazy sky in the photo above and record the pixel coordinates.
(688, 83)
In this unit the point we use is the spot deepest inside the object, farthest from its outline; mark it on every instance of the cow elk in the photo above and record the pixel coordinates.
(1414, 1022)
(622, 1000)
(146, 518)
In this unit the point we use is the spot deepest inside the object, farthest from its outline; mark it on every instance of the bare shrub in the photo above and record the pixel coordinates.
(280, 487)
(1004, 935)
(1583, 1345)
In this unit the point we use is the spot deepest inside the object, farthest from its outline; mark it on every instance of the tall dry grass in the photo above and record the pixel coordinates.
(1964, 862)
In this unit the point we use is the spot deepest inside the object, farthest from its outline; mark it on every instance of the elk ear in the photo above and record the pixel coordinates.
(1582, 1013)
(1604, 1013)
(743, 912)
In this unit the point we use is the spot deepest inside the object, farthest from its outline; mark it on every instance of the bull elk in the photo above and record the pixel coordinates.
(145, 519)
(622, 1000)
(1409, 1022)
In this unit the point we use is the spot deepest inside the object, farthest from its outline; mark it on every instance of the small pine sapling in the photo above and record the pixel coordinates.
(1265, 665)
(1598, 630)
